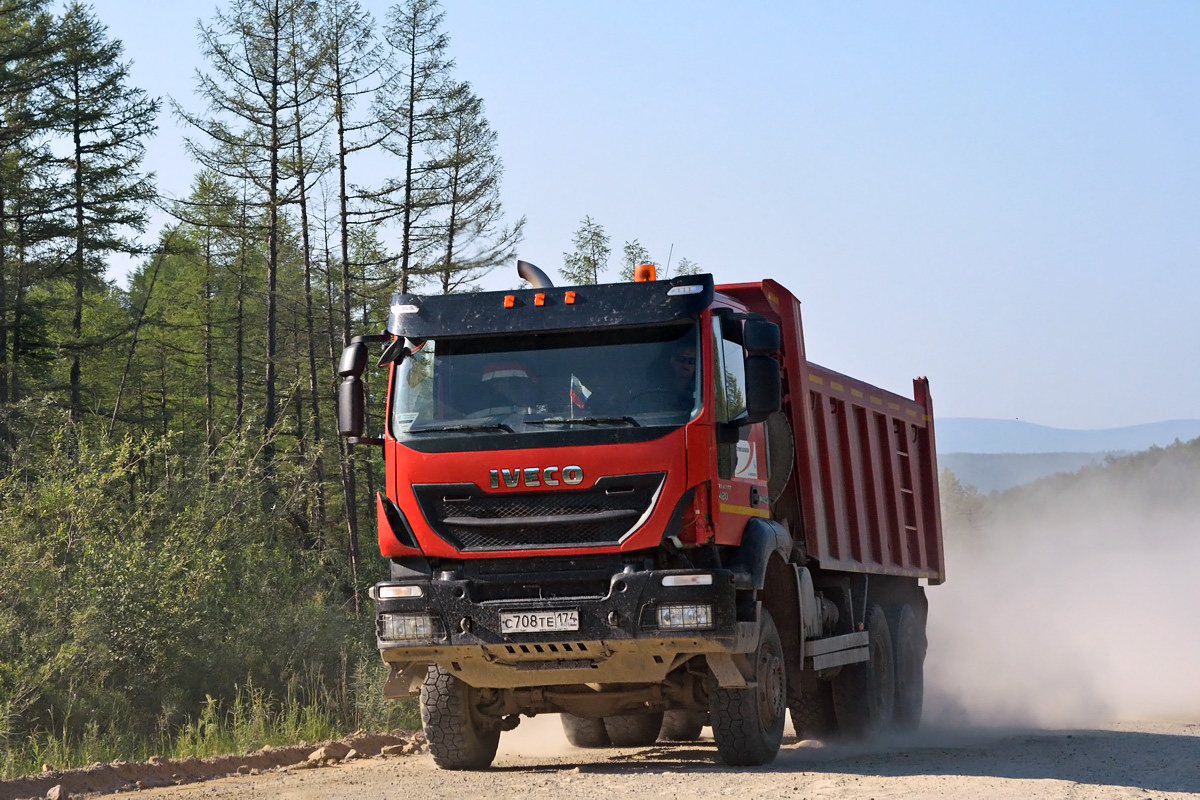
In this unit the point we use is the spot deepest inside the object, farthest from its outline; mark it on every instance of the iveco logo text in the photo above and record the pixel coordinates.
(535, 476)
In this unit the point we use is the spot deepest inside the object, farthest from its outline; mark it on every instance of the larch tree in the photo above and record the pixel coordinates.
(27, 207)
(247, 132)
(633, 253)
(412, 108)
(589, 259)
(106, 122)
(354, 70)
(474, 240)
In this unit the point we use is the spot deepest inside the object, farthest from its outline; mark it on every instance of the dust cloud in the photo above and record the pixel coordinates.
(1068, 609)
(539, 737)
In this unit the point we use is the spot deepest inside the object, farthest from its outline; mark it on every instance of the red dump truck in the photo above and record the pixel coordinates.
(641, 507)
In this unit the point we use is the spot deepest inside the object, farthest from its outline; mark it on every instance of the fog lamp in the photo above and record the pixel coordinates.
(406, 627)
(690, 616)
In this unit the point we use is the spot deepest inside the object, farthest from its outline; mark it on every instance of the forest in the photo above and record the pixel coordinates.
(185, 542)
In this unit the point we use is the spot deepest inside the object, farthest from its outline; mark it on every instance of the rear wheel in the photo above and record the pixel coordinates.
(633, 730)
(909, 642)
(682, 726)
(812, 712)
(864, 694)
(458, 734)
(585, 732)
(748, 723)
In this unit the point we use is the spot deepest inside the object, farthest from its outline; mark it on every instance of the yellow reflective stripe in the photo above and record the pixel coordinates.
(747, 510)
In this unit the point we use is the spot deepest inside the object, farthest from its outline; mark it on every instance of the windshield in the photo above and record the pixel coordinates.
(544, 382)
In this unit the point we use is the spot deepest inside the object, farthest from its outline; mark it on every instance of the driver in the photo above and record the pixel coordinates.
(683, 374)
(671, 382)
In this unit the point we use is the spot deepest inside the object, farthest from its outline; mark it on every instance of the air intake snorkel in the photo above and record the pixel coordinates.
(534, 275)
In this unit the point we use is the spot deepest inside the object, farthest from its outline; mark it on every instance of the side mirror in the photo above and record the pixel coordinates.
(764, 388)
(353, 361)
(352, 394)
(760, 337)
(352, 404)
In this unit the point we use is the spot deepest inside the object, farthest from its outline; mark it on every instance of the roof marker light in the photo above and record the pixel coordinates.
(539, 299)
(569, 298)
(510, 300)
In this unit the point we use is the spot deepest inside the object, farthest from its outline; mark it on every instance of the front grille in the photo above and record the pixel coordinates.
(605, 514)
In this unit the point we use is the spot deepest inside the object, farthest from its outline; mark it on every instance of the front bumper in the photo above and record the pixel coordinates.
(618, 639)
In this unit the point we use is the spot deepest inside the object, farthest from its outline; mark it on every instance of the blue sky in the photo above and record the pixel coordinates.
(1004, 197)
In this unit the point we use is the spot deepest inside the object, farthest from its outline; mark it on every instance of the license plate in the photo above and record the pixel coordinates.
(539, 621)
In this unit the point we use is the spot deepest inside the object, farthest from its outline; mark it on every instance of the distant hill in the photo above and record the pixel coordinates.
(995, 472)
(975, 435)
(997, 454)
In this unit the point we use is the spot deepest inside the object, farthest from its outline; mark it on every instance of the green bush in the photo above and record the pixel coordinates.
(141, 616)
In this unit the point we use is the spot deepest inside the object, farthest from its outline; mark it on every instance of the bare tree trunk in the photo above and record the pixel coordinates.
(270, 412)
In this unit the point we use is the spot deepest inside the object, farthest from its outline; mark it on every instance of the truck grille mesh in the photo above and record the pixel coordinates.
(471, 519)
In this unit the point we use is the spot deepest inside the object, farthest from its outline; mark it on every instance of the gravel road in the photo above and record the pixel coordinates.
(1127, 760)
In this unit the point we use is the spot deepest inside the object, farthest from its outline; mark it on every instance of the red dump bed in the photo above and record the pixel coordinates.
(865, 463)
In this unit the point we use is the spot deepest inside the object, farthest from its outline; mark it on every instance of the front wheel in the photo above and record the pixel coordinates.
(458, 734)
(748, 723)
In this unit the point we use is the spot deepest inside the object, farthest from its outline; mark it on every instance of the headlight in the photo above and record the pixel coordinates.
(685, 617)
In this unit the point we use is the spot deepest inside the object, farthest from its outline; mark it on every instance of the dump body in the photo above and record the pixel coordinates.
(865, 459)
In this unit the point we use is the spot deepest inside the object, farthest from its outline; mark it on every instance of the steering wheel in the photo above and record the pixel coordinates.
(657, 398)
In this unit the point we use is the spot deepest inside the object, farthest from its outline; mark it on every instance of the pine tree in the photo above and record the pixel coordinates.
(590, 256)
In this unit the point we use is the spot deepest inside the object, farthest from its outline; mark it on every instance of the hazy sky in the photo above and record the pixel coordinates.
(1004, 197)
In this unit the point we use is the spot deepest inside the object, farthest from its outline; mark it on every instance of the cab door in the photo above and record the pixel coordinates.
(741, 469)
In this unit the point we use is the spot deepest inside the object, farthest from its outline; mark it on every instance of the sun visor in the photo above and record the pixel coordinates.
(610, 305)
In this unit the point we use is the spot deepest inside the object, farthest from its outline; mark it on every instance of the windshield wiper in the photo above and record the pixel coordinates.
(478, 426)
(626, 420)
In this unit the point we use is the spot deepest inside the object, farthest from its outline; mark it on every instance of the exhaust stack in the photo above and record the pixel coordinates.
(534, 275)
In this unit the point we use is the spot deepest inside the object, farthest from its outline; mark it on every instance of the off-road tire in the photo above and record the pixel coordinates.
(864, 694)
(585, 731)
(634, 730)
(909, 641)
(813, 716)
(458, 735)
(748, 723)
(680, 725)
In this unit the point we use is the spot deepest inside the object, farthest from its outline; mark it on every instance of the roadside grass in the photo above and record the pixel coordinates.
(312, 710)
